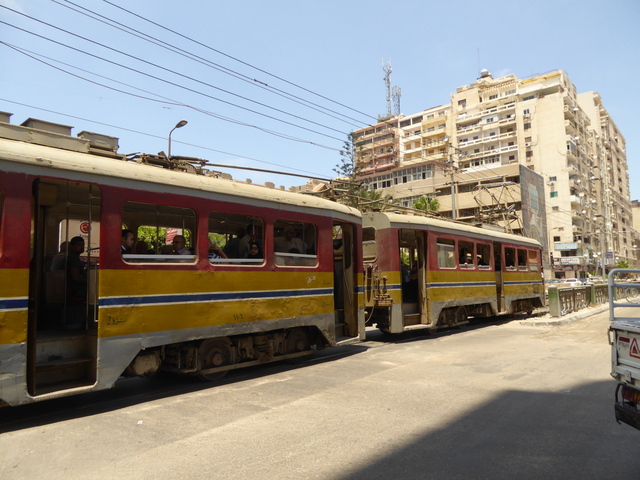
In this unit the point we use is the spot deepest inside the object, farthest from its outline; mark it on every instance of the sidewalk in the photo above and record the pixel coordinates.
(568, 318)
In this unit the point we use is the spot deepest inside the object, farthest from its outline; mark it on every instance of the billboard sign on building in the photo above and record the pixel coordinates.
(534, 211)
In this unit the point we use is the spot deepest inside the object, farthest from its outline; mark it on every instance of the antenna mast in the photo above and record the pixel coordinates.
(386, 67)
(396, 93)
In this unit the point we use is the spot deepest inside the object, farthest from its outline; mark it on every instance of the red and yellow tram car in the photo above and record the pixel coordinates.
(186, 297)
(425, 272)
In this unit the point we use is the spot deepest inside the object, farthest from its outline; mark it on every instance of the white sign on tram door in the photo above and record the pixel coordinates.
(84, 229)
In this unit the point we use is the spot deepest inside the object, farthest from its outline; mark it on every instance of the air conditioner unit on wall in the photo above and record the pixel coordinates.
(527, 144)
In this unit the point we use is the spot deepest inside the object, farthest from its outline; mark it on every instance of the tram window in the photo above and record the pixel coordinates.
(533, 260)
(446, 253)
(295, 243)
(510, 258)
(522, 259)
(234, 234)
(465, 255)
(483, 254)
(369, 244)
(159, 231)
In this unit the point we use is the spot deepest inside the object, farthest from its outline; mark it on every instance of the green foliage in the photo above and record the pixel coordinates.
(623, 264)
(429, 204)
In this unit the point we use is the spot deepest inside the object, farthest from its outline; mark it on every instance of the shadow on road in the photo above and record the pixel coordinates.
(133, 391)
(577, 437)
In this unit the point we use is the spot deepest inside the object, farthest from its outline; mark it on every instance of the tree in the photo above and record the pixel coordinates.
(368, 199)
(348, 171)
(429, 204)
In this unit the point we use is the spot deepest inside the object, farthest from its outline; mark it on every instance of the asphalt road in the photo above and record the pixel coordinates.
(492, 401)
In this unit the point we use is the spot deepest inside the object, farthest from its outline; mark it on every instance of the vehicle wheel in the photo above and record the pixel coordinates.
(461, 316)
(298, 340)
(215, 352)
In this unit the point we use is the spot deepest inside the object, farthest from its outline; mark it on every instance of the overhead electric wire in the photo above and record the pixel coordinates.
(171, 71)
(237, 60)
(310, 174)
(165, 99)
(160, 43)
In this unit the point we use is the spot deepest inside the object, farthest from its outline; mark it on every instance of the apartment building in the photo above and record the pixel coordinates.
(532, 155)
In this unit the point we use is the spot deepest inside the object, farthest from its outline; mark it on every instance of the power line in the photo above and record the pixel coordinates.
(165, 99)
(236, 59)
(171, 71)
(159, 137)
(160, 43)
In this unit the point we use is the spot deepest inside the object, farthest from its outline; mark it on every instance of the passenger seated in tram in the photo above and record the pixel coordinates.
(289, 241)
(215, 252)
(180, 246)
(142, 248)
(128, 239)
(255, 250)
(254, 234)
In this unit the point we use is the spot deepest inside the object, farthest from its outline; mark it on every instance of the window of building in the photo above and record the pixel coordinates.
(526, 111)
(446, 253)
(553, 179)
(234, 234)
(295, 244)
(553, 194)
(528, 97)
(527, 125)
(555, 209)
(493, 97)
(164, 233)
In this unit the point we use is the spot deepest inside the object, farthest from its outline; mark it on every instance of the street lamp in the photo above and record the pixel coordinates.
(180, 124)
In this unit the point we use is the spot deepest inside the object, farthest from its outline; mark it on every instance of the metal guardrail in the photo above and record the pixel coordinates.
(623, 292)
(564, 300)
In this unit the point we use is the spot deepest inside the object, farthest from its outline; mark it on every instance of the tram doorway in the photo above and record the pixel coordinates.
(497, 255)
(345, 296)
(63, 281)
(412, 251)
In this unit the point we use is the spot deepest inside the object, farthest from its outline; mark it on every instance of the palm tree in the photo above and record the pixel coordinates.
(429, 204)
(369, 199)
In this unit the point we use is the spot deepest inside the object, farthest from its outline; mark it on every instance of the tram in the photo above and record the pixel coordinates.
(424, 273)
(66, 201)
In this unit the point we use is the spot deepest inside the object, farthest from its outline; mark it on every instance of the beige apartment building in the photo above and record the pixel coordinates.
(532, 155)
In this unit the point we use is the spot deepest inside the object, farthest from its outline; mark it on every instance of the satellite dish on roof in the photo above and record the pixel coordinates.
(484, 73)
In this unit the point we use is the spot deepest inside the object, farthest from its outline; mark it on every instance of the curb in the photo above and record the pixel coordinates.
(574, 317)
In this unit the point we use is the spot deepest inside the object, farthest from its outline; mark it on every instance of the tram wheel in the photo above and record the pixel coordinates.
(298, 340)
(215, 352)
(461, 316)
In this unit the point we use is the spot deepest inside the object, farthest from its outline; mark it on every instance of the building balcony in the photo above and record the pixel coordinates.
(378, 167)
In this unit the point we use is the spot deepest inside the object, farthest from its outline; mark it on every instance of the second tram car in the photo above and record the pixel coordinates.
(425, 272)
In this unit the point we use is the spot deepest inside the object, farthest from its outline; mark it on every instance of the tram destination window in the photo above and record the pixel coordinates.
(163, 233)
(465, 255)
(483, 256)
(369, 252)
(522, 259)
(510, 258)
(295, 244)
(446, 253)
(235, 239)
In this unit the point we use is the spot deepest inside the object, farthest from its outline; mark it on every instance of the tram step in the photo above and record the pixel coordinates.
(60, 346)
(62, 370)
(339, 329)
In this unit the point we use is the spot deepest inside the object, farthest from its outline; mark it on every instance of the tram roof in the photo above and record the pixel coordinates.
(26, 157)
(382, 220)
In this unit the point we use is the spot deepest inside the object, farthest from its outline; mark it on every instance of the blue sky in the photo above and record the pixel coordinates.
(333, 49)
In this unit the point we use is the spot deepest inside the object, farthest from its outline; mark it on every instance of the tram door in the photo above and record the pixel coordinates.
(497, 255)
(412, 269)
(63, 280)
(344, 281)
